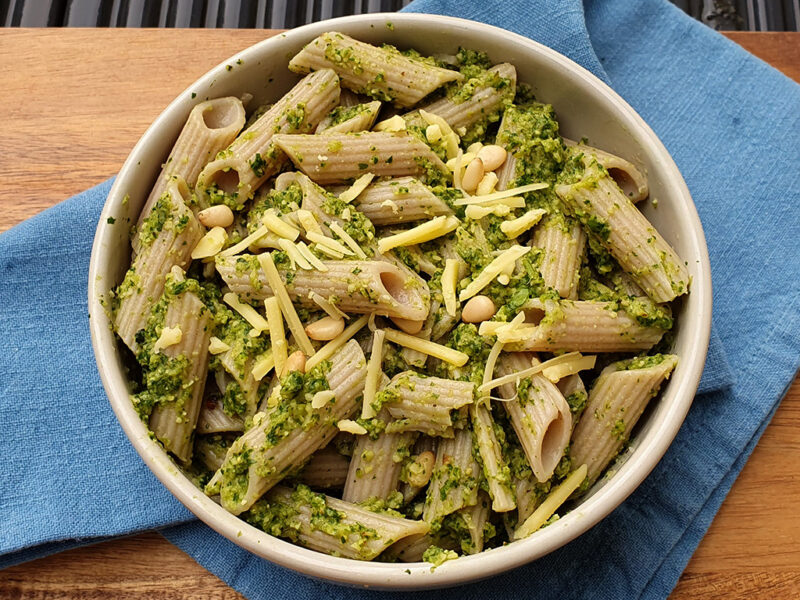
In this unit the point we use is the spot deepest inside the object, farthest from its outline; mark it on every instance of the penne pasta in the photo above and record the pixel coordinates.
(455, 479)
(381, 73)
(613, 221)
(340, 157)
(400, 200)
(212, 125)
(563, 245)
(233, 177)
(616, 401)
(349, 119)
(365, 287)
(539, 414)
(267, 451)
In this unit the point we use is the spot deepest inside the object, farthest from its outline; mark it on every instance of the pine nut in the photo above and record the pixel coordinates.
(410, 327)
(493, 156)
(325, 329)
(478, 309)
(472, 175)
(216, 216)
(295, 362)
(421, 475)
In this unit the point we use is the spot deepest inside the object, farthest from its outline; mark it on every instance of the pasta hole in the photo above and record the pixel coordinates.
(220, 116)
(553, 443)
(534, 316)
(625, 182)
(395, 285)
(227, 181)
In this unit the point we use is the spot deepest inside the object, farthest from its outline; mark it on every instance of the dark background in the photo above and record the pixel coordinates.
(746, 15)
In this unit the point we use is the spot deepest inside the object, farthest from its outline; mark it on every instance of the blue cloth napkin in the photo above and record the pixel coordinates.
(71, 477)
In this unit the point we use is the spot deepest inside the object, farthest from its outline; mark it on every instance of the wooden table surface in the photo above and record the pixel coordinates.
(76, 100)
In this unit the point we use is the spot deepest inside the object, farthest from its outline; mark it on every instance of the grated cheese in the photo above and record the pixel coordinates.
(308, 221)
(476, 212)
(349, 426)
(169, 337)
(337, 229)
(374, 373)
(278, 226)
(454, 357)
(359, 185)
(329, 307)
(320, 399)
(434, 228)
(329, 243)
(309, 256)
(277, 335)
(533, 370)
(259, 233)
(295, 257)
(492, 270)
(579, 363)
(518, 226)
(279, 290)
(503, 194)
(449, 285)
(328, 252)
(551, 504)
(449, 136)
(262, 365)
(248, 313)
(211, 243)
(393, 124)
(217, 346)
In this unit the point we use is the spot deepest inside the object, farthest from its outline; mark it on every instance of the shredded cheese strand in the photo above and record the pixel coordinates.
(262, 365)
(279, 290)
(454, 357)
(433, 229)
(277, 335)
(248, 313)
(373, 374)
(449, 285)
(492, 270)
(337, 229)
(531, 187)
(359, 185)
(519, 375)
(329, 243)
(305, 251)
(551, 504)
(329, 307)
(278, 226)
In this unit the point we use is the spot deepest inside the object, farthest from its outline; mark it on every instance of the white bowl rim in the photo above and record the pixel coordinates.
(409, 576)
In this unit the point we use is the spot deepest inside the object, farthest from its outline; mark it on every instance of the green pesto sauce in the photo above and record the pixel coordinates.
(641, 362)
(281, 519)
(284, 202)
(358, 226)
(340, 114)
(437, 556)
(161, 218)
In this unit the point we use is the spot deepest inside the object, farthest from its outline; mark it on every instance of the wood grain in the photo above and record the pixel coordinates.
(75, 101)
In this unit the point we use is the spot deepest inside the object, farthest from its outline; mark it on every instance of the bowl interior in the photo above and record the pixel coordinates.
(586, 108)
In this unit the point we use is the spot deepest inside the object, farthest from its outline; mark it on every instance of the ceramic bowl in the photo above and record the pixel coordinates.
(586, 107)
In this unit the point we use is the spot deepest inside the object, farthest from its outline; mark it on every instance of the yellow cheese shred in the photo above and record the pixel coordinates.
(373, 374)
(454, 357)
(277, 335)
(248, 313)
(492, 270)
(333, 346)
(434, 228)
(550, 505)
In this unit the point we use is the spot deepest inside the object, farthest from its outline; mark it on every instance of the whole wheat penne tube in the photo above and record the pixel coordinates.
(564, 246)
(629, 178)
(341, 157)
(330, 525)
(210, 450)
(424, 404)
(400, 200)
(166, 239)
(615, 222)
(582, 326)
(326, 469)
(539, 415)
(374, 470)
(212, 125)
(173, 423)
(455, 479)
(354, 286)
(495, 468)
(381, 73)
(344, 119)
(477, 102)
(278, 441)
(475, 518)
(252, 158)
(213, 419)
(617, 400)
